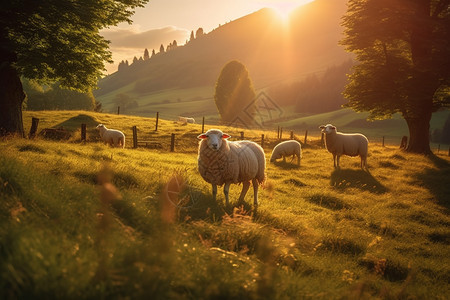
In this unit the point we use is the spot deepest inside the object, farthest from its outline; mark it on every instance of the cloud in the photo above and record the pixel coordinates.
(131, 41)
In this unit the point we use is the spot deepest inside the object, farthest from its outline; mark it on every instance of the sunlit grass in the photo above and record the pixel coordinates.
(318, 232)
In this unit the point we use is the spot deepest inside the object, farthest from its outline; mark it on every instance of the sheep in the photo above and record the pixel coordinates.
(287, 148)
(224, 162)
(185, 120)
(112, 137)
(339, 143)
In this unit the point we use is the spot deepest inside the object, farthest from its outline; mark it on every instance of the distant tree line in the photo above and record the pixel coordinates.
(314, 94)
(54, 97)
(124, 64)
(442, 135)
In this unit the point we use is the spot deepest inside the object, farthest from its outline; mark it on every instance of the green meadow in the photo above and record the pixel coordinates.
(83, 220)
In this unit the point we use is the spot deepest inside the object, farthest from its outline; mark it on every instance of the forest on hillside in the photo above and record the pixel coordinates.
(315, 93)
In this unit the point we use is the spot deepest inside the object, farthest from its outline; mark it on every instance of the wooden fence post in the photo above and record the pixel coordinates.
(306, 136)
(262, 140)
(322, 140)
(292, 135)
(448, 151)
(172, 143)
(278, 133)
(83, 132)
(383, 141)
(439, 148)
(34, 127)
(157, 119)
(242, 135)
(118, 110)
(281, 133)
(135, 140)
(203, 125)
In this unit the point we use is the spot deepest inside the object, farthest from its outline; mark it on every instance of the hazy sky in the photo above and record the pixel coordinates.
(162, 21)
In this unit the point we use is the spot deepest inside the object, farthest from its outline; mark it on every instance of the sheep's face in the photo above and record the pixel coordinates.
(275, 156)
(100, 126)
(327, 129)
(214, 138)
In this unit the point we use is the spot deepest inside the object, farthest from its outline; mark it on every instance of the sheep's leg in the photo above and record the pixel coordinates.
(334, 160)
(226, 191)
(245, 186)
(255, 191)
(284, 158)
(298, 159)
(338, 158)
(214, 191)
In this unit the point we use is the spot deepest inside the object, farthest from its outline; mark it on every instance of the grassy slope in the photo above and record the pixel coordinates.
(318, 233)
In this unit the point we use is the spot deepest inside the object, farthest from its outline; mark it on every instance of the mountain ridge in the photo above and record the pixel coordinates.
(257, 40)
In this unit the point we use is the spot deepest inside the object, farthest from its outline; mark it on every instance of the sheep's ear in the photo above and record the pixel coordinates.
(202, 136)
(225, 136)
(333, 127)
(322, 127)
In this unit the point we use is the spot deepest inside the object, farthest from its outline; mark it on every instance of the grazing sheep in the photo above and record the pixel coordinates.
(287, 148)
(185, 120)
(339, 143)
(224, 162)
(112, 137)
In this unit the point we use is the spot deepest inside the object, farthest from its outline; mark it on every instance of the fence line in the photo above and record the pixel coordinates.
(400, 142)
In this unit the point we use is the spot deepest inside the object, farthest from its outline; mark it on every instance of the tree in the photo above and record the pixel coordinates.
(146, 54)
(192, 36)
(54, 40)
(234, 95)
(199, 33)
(403, 51)
(161, 49)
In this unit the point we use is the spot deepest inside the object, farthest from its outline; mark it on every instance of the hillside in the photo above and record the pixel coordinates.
(85, 221)
(272, 50)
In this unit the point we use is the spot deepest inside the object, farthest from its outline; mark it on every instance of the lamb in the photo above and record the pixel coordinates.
(112, 137)
(339, 143)
(287, 148)
(224, 162)
(186, 120)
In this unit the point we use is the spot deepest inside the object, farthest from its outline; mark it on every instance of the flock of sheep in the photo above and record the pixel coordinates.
(223, 162)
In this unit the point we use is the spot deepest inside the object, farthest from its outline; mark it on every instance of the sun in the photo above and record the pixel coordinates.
(284, 8)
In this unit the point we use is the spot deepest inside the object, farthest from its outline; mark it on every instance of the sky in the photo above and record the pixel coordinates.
(163, 21)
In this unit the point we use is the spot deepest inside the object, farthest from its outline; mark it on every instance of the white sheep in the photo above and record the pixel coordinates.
(287, 148)
(351, 144)
(112, 137)
(185, 120)
(225, 162)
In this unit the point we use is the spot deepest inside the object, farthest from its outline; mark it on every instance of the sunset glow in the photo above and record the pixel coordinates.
(158, 23)
(284, 8)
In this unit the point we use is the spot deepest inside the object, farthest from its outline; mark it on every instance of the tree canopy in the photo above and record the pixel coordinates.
(403, 53)
(53, 41)
(59, 40)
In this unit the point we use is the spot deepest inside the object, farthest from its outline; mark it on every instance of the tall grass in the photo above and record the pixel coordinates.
(89, 221)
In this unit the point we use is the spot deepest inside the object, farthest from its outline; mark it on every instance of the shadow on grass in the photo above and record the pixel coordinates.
(287, 165)
(350, 178)
(436, 180)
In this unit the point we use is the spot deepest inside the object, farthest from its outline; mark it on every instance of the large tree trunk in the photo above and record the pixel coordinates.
(11, 99)
(419, 134)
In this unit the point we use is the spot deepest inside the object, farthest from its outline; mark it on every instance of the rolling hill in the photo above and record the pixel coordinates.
(272, 49)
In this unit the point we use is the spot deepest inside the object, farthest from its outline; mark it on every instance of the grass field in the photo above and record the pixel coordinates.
(82, 220)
